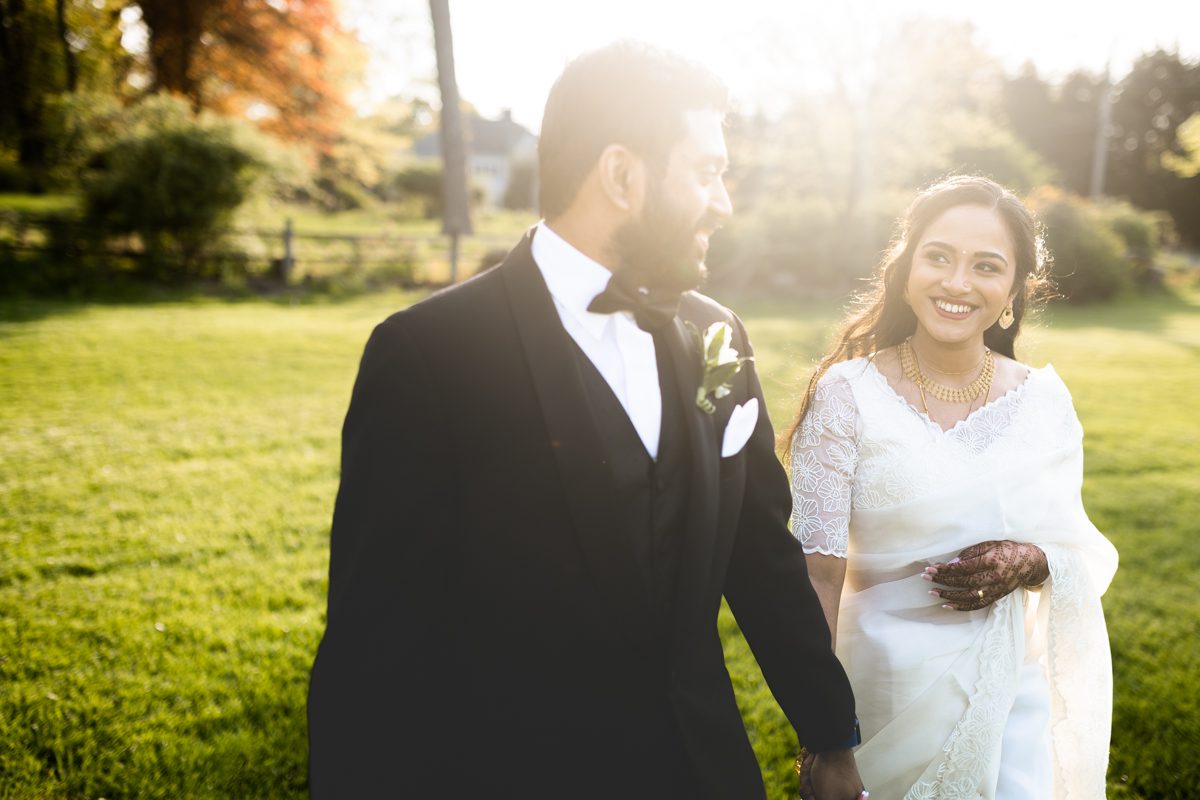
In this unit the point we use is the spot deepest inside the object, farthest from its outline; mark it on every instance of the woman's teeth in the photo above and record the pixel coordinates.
(953, 308)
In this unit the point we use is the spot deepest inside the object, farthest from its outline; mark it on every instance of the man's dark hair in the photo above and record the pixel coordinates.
(625, 93)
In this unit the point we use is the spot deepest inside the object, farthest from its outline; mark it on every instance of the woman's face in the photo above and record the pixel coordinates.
(962, 274)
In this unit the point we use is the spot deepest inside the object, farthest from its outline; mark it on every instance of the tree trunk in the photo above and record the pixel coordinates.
(175, 29)
(60, 13)
(456, 214)
(9, 77)
(24, 100)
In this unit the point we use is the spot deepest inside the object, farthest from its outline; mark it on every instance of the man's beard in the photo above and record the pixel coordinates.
(658, 248)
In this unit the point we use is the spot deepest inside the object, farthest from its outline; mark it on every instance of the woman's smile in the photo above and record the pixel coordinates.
(953, 310)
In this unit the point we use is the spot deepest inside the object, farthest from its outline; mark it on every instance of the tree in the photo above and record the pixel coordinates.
(819, 183)
(64, 39)
(1058, 123)
(1188, 164)
(1160, 93)
(1143, 138)
(47, 48)
(28, 65)
(282, 61)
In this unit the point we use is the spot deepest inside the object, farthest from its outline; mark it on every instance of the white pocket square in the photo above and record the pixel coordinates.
(741, 424)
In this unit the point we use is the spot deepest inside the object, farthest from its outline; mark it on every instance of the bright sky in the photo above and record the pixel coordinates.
(508, 52)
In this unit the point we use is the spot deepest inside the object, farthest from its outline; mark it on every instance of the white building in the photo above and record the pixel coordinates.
(494, 147)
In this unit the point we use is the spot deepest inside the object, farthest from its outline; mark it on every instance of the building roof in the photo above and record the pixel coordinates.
(485, 137)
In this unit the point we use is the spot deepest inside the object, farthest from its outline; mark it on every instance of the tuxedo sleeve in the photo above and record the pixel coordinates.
(381, 670)
(775, 605)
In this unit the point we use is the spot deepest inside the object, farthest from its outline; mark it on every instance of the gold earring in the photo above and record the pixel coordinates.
(1007, 317)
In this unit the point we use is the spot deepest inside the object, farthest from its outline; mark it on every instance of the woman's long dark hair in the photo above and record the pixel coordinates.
(880, 317)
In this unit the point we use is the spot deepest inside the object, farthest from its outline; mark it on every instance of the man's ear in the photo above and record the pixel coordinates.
(622, 177)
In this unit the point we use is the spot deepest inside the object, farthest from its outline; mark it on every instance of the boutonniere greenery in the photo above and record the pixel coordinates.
(719, 361)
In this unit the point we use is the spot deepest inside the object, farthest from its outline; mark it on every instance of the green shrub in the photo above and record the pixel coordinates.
(173, 188)
(1090, 260)
(421, 183)
(521, 193)
(12, 177)
(83, 124)
(779, 242)
(807, 243)
(971, 144)
(1143, 234)
(333, 191)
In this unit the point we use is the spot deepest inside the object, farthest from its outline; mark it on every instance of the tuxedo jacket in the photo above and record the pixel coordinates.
(488, 627)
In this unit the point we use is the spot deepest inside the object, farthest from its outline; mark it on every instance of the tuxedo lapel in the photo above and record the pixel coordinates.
(587, 478)
(703, 504)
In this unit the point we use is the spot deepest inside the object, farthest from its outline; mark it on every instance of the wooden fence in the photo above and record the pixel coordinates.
(286, 254)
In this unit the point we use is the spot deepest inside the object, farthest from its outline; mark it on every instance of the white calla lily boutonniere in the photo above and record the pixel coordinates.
(719, 361)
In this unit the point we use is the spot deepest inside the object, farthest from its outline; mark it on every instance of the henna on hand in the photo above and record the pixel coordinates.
(986, 572)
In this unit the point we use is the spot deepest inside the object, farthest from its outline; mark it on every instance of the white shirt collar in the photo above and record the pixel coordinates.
(573, 279)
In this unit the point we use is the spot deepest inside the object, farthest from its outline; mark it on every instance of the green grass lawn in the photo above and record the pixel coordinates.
(167, 473)
(38, 203)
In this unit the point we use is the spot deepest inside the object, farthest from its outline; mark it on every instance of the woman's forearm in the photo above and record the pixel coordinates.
(827, 574)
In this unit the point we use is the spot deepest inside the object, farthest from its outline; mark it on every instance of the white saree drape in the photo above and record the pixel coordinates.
(881, 484)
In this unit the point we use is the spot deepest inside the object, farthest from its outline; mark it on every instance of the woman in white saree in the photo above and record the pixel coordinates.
(936, 487)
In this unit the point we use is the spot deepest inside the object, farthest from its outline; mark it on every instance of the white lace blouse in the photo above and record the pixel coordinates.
(838, 464)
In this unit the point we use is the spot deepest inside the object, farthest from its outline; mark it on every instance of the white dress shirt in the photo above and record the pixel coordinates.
(622, 352)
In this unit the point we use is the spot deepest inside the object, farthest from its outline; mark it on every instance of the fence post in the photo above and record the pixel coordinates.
(289, 259)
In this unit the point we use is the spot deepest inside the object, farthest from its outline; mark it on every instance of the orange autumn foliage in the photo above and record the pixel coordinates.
(285, 63)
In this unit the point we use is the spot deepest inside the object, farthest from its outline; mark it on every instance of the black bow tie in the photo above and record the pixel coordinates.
(651, 308)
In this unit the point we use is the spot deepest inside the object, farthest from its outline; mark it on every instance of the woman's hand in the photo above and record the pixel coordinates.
(830, 776)
(804, 770)
(986, 572)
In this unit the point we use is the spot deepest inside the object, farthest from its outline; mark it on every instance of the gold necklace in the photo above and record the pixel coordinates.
(966, 394)
(966, 371)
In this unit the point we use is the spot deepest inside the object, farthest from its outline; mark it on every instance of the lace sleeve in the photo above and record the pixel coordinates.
(824, 457)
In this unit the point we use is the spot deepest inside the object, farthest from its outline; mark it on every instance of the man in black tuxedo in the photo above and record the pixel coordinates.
(542, 502)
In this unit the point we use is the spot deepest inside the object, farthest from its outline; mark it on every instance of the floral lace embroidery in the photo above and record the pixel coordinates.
(824, 457)
(967, 753)
(1079, 726)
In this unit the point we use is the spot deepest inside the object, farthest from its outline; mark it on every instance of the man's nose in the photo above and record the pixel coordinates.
(719, 203)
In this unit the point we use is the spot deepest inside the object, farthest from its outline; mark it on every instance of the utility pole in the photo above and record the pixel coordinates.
(1103, 123)
(456, 213)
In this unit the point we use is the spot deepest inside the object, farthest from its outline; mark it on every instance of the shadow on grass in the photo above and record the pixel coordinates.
(33, 308)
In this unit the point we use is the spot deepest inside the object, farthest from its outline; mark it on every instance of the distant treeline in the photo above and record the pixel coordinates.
(1112, 164)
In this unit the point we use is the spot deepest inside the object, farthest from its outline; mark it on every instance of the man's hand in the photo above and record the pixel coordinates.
(830, 776)
(986, 572)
